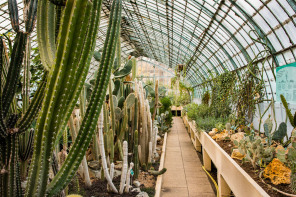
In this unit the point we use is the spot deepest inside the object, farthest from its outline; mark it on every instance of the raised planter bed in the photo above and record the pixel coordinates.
(231, 177)
(161, 165)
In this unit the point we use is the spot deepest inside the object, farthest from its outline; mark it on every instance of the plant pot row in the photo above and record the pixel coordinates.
(231, 177)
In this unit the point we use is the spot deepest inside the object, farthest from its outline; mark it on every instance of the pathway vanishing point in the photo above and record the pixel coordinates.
(185, 176)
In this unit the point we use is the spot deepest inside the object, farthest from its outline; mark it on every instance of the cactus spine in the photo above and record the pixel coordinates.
(64, 87)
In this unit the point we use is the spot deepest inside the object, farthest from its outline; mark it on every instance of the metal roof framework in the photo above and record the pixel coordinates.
(208, 36)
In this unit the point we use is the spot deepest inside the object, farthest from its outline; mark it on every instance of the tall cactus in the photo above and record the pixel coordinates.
(103, 156)
(11, 123)
(74, 50)
(136, 154)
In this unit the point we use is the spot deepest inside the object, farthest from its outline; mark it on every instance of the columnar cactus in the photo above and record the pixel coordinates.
(67, 74)
(136, 154)
(128, 175)
(124, 167)
(11, 123)
(108, 176)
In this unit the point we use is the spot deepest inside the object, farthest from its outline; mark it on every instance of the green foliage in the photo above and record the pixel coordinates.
(164, 122)
(248, 93)
(222, 90)
(206, 98)
(183, 99)
(165, 119)
(166, 104)
(208, 123)
(191, 110)
(126, 70)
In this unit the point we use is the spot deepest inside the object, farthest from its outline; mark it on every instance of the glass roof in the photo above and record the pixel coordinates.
(208, 36)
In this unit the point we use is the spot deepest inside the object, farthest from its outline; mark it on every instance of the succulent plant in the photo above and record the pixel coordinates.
(279, 134)
(66, 78)
(162, 171)
(268, 129)
(254, 150)
(228, 127)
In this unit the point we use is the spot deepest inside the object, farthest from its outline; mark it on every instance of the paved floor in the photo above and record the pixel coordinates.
(185, 176)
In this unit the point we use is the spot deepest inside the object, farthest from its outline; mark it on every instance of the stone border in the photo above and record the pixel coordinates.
(231, 177)
(161, 165)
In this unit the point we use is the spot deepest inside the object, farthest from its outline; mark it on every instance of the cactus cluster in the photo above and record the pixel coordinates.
(15, 136)
(278, 135)
(117, 109)
(254, 150)
(291, 118)
(66, 55)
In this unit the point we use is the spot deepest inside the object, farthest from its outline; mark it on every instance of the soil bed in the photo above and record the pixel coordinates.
(99, 187)
(227, 146)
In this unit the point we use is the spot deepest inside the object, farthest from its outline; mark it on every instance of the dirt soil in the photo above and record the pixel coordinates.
(254, 173)
(147, 180)
(98, 189)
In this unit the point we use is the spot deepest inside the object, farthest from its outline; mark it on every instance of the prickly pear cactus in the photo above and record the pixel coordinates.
(254, 150)
(280, 133)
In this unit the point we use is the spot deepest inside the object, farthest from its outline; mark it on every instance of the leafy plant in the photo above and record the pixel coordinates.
(206, 98)
(208, 123)
(222, 91)
(166, 109)
(191, 110)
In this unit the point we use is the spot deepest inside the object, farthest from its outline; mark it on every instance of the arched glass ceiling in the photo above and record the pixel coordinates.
(209, 36)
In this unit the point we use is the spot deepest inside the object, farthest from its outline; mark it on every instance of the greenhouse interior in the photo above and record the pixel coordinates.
(143, 98)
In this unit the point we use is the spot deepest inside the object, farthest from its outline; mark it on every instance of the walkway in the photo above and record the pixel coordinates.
(185, 176)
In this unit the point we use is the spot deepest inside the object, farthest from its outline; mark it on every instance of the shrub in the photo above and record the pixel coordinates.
(166, 109)
(209, 123)
(166, 104)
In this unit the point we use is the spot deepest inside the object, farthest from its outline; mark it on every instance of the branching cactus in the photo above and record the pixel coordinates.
(11, 123)
(254, 150)
(68, 71)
